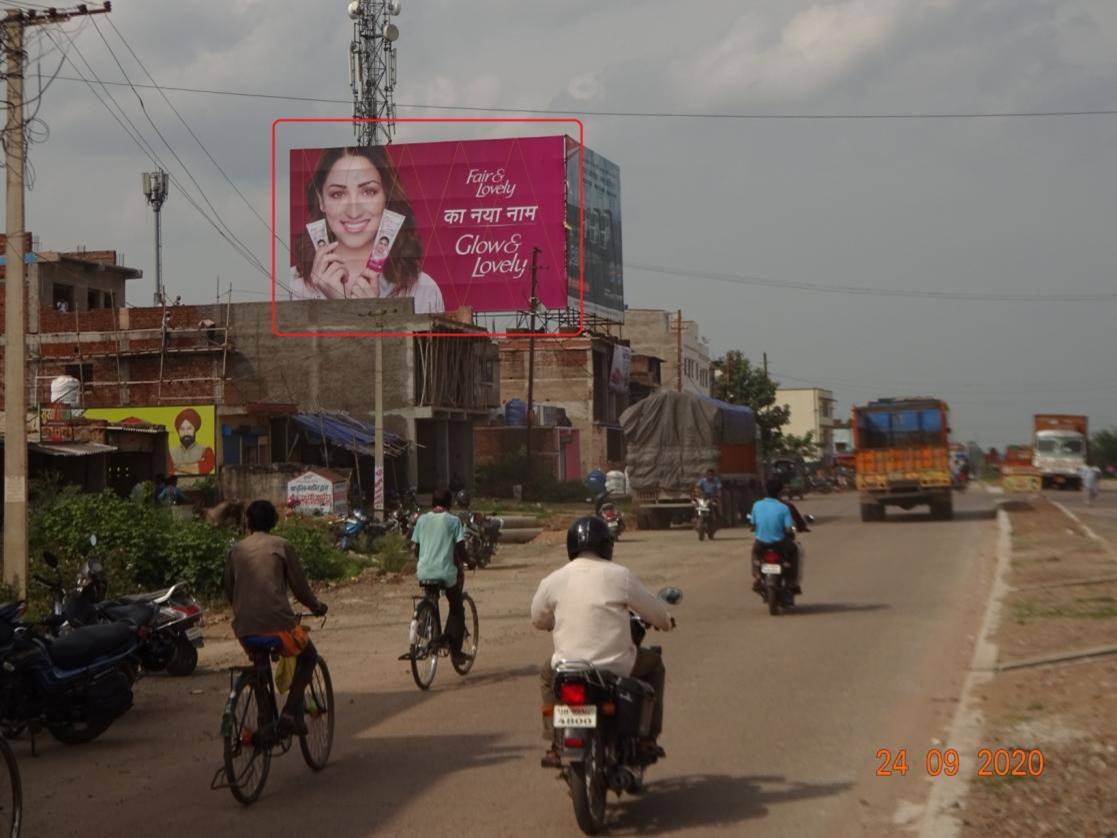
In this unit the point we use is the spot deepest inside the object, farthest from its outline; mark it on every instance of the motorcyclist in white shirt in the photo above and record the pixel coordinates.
(586, 605)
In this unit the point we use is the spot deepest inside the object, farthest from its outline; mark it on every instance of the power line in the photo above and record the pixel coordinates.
(138, 139)
(197, 139)
(859, 290)
(174, 153)
(1051, 114)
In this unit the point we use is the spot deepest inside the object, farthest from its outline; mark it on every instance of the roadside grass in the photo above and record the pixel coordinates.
(1085, 608)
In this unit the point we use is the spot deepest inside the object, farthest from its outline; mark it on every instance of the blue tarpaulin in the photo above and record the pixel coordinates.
(346, 432)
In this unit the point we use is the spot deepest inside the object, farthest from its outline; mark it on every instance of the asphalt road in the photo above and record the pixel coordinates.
(772, 722)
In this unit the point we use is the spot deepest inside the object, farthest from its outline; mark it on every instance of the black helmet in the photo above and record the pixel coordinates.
(463, 499)
(589, 534)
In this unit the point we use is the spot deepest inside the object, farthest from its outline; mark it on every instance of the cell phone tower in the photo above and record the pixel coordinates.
(372, 68)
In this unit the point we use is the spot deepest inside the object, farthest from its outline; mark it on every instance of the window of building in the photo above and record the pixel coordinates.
(62, 297)
(614, 445)
(106, 298)
(82, 372)
(92, 299)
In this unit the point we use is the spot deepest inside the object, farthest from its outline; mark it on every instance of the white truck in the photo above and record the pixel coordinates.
(1061, 443)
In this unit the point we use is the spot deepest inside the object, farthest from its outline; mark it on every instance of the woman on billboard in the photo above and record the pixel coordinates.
(372, 248)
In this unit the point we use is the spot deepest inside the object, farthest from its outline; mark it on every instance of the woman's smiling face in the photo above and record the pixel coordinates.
(352, 201)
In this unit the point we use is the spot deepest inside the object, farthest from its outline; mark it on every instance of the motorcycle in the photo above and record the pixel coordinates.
(75, 686)
(607, 511)
(170, 617)
(704, 519)
(481, 534)
(600, 719)
(777, 573)
(358, 524)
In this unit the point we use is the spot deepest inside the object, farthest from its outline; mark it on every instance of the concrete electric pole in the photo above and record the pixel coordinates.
(15, 316)
(372, 76)
(372, 68)
(155, 190)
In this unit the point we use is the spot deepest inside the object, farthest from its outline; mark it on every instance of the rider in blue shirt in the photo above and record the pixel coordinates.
(709, 487)
(773, 523)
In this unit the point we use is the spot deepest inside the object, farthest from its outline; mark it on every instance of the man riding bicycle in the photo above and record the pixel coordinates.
(259, 572)
(439, 542)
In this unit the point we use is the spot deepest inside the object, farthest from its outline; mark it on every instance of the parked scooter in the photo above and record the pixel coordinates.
(481, 533)
(600, 719)
(171, 618)
(74, 686)
(705, 522)
(607, 510)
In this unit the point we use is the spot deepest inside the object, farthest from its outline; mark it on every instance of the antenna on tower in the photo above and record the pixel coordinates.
(372, 68)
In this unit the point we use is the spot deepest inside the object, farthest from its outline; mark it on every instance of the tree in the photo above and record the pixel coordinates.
(737, 381)
(789, 445)
(1103, 448)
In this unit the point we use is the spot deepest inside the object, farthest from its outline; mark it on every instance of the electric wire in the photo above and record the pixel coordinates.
(174, 154)
(860, 290)
(912, 115)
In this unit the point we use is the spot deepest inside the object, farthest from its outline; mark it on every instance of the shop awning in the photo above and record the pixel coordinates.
(71, 449)
(348, 433)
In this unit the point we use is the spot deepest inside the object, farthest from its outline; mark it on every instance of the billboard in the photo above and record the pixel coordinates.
(190, 432)
(449, 224)
(604, 268)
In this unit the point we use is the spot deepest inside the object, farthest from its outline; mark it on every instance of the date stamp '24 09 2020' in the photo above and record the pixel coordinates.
(992, 762)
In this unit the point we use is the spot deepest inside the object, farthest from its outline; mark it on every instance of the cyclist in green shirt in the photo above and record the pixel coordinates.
(439, 542)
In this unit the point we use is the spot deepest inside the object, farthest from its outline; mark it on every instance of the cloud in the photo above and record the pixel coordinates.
(760, 59)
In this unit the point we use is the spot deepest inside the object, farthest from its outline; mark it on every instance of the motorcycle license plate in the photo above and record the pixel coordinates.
(771, 568)
(575, 717)
(194, 634)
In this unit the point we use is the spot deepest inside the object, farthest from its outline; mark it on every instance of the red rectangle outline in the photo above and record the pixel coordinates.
(448, 119)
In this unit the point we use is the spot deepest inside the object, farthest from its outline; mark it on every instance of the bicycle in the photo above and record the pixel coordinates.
(248, 750)
(11, 808)
(427, 643)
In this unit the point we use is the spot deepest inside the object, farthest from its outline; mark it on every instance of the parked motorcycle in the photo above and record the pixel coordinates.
(600, 719)
(359, 524)
(705, 522)
(608, 511)
(75, 686)
(171, 618)
(482, 532)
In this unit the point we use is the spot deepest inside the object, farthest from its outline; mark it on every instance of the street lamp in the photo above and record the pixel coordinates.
(155, 190)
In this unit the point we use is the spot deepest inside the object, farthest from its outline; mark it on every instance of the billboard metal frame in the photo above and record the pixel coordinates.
(577, 328)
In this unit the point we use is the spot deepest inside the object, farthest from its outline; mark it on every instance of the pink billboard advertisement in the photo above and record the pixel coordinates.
(448, 224)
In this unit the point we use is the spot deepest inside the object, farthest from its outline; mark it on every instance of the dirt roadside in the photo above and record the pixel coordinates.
(1064, 710)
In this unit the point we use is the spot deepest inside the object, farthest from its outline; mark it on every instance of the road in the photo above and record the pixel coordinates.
(772, 722)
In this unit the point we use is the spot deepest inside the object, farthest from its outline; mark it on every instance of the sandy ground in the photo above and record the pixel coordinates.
(1065, 711)
(773, 723)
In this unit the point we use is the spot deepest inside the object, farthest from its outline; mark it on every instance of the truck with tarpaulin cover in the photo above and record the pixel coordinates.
(672, 438)
(903, 456)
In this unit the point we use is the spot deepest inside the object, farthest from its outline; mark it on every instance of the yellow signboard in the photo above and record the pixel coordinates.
(190, 432)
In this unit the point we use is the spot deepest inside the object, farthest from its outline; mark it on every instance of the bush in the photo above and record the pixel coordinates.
(144, 546)
(313, 541)
(393, 552)
(496, 480)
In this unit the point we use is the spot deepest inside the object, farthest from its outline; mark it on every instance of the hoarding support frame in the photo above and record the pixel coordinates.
(534, 302)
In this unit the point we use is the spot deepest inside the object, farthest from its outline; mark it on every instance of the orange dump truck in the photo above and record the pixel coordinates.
(903, 456)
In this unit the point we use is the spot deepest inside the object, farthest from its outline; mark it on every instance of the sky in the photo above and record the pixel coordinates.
(992, 206)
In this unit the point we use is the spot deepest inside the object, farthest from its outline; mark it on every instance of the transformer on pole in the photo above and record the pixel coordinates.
(372, 68)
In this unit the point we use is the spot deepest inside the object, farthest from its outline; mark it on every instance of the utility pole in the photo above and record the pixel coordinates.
(534, 303)
(765, 364)
(372, 68)
(155, 190)
(378, 431)
(372, 78)
(679, 350)
(15, 325)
